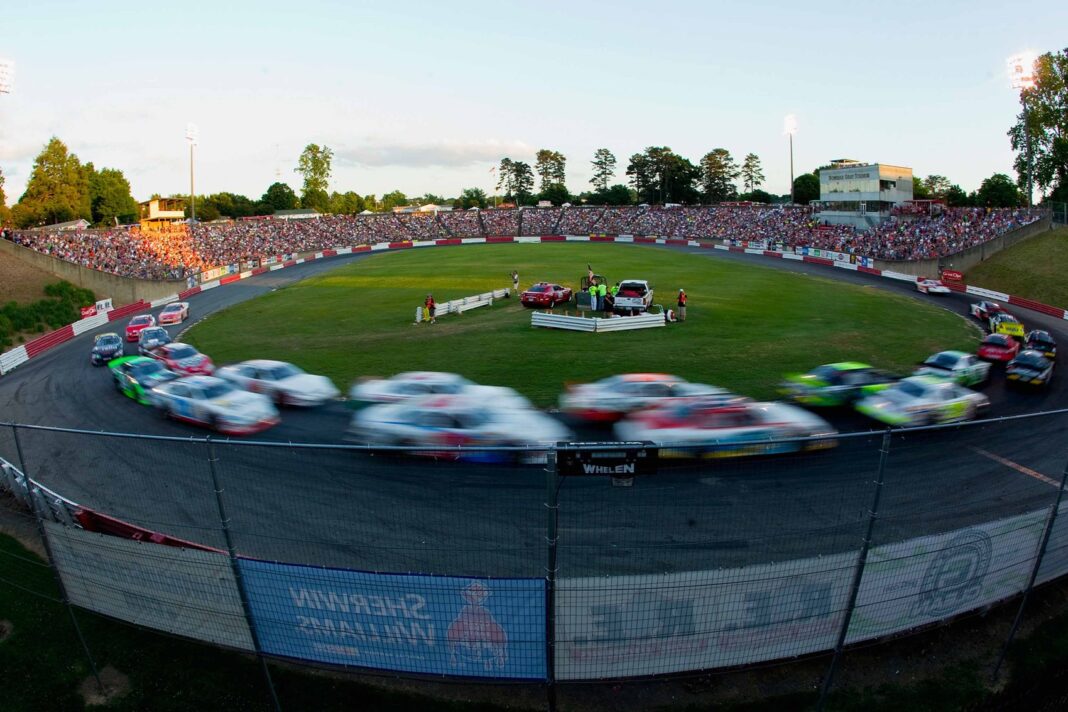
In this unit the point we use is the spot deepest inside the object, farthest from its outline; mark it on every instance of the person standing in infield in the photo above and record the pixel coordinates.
(515, 282)
(681, 311)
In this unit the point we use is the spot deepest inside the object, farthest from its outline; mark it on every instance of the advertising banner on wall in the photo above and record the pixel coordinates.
(214, 273)
(444, 625)
(653, 624)
(920, 581)
(180, 591)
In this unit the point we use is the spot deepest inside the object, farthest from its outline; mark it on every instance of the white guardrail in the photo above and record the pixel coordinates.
(459, 306)
(596, 325)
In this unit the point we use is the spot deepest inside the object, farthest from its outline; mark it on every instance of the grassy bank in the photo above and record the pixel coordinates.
(1035, 269)
(746, 326)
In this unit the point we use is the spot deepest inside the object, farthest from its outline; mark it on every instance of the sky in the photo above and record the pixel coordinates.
(427, 96)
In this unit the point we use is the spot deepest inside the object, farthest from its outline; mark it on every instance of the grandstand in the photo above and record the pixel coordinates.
(174, 250)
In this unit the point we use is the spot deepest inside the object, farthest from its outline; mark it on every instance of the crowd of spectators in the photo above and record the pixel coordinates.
(182, 250)
(539, 221)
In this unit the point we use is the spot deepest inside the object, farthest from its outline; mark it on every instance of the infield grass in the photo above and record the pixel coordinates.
(1033, 269)
(746, 327)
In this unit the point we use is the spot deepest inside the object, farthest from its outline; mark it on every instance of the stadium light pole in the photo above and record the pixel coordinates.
(7, 76)
(1022, 78)
(789, 127)
(192, 135)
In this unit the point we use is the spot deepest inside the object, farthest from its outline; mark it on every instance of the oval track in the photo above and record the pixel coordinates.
(342, 508)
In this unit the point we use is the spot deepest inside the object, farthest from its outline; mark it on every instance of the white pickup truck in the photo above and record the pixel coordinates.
(634, 297)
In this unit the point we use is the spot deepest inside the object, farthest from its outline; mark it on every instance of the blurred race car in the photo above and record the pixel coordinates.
(135, 376)
(931, 286)
(174, 313)
(923, 400)
(412, 384)
(139, 322)
(714, 429)
(1041, 341)
(960, 367)
(106, 347)
(184, 359)
(283, 383)
(1030, 368)
(545, 294)
(611, 398)
(1005, 323)
(998, 347)
(152, 338)
(458, 420)
(210, 401)
(984, 310)
(836, 384)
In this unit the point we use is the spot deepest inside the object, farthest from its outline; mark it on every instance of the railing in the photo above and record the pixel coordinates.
(413, 563)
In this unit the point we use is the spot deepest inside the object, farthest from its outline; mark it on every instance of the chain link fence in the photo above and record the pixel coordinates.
(465, 564)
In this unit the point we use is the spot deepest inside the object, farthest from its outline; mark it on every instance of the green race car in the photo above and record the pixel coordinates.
(136, 375)
(836, 384)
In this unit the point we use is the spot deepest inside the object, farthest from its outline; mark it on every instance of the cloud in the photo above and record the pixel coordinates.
(449, 154)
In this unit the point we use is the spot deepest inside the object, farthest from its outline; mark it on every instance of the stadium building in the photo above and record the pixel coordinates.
(861, 194)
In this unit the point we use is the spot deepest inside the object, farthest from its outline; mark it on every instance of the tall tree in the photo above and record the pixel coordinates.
(659, 175)
(109, 196)
(279, 196)
(718, 173)
(919, 189)
(394, 199)
(314, 165)
(58, 189)
(550, 166)
(347, 203)
(998, 191)
(937, 186)
(752, 172)
(806, 188)
(472, 198)
(5, 212)
(604, 169)
(555, 193)
(1046, 125)
(516, 179)
(955, 197)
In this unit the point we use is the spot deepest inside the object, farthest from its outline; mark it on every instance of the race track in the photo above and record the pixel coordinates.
(336, 507)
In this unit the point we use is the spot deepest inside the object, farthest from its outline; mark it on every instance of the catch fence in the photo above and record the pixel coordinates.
(607, 562)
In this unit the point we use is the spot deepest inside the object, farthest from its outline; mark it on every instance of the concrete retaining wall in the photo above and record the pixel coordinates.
(121, 290)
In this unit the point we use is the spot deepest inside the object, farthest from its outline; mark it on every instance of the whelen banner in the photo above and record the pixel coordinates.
(443, 625)
(625, 626)
(921, 581)
(181, 591)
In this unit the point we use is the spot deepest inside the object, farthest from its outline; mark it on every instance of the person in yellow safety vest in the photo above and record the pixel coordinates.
(615, 289)
(592, 290)
(602, 291)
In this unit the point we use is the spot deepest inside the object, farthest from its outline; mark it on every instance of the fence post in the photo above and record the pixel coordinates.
(231, 551)
(30, 486)
(552, 512)
(858, 571)
(1046, 532)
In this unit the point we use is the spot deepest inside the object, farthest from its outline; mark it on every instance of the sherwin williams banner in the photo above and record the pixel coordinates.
(444, 625)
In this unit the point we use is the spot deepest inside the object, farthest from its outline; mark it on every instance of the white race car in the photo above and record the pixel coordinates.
(931, 286)
(282, 382)
(714, 429)
(453, 421)
(612, 398)
(923, 400)
(174, 313)
(210, 401)
(414, 384)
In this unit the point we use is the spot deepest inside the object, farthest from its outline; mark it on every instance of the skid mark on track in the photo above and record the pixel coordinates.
(1018, 467)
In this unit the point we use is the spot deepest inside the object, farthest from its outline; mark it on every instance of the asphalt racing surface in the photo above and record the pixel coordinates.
(338, 507)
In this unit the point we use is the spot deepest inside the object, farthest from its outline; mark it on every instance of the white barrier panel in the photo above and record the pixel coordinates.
(927, 579)
(14, 358)
(751, 251)
(83, 325)
(168, 299)
(473, 241)
(792, 256)
(528, 240)
(15, 482)
(722, 247)
(549, 320)
(986, 293)
(624, 238)
(344, 250)
(576, 238)
(693, 243)
(424, 243)
(898, 275)
(846, 265)
(181, 591)
(625, 626)
(215, 283)
(380, 246)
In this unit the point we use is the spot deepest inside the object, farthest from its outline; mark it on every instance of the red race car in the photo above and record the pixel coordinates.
(139, 322)
(998, 347)
(184, 359)
(545, 294)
